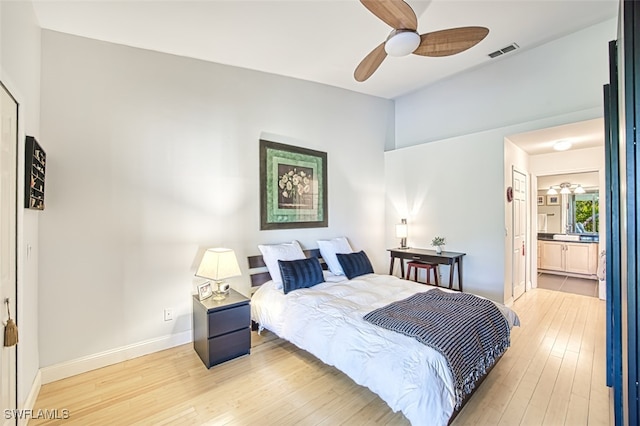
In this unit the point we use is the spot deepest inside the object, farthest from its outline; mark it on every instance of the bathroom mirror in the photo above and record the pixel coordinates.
(572, 211)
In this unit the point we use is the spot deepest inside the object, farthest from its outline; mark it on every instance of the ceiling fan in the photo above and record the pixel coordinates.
(404, 39)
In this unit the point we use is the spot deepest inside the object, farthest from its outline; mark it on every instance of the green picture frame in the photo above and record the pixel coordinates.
(293, 187)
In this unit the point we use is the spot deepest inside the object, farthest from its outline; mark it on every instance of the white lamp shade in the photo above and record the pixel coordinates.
(552, 191)
(218, 264)
(401, 230)
(565, 190)
(579, 190)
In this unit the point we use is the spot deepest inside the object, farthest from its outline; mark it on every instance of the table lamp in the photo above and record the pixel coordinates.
(402, 232)
(218, 264)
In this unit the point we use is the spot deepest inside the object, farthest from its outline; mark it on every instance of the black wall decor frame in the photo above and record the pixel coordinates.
(34, 173)
(293, 187)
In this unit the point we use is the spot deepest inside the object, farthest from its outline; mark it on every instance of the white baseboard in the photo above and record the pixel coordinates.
(113, 356)
(30, 402)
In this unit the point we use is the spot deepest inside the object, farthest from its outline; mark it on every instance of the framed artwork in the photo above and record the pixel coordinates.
(293, 187)
(205, 291)
(541, 200)
(553, 200)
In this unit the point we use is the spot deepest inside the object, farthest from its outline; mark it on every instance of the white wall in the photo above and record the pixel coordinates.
(446, 188)
(153, 158)
(557, 78)
(20, 73)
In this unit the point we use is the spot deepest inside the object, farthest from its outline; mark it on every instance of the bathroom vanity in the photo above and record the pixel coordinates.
(568, 254)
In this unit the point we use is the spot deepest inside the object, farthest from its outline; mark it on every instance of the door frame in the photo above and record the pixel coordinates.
(14, 300)
(527, 233)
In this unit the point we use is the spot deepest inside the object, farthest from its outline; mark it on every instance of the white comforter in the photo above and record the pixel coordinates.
(326, 320)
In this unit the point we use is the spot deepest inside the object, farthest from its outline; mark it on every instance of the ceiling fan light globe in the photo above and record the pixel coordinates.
(402, 43)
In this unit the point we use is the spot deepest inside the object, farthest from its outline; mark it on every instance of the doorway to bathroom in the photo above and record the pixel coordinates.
(567, 232)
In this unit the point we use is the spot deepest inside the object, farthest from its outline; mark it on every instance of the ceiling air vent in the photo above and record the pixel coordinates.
(504, 50)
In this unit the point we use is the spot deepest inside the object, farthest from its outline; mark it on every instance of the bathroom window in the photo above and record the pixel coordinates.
(584, 210)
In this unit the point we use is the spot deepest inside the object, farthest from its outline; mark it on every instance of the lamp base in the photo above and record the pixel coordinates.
(222, 291)
(219, 296)
(404, 248)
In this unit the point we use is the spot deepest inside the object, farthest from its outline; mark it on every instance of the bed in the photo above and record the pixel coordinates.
(327, 321)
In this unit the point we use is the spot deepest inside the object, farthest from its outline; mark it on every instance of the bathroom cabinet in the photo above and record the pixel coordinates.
(570, 257)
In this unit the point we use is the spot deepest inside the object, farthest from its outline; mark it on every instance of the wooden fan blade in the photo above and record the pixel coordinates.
(395, 13)
(451, 41)
(370, 63)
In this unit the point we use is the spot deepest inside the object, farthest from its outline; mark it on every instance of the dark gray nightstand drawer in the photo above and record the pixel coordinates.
(227, 320)
(229, 346)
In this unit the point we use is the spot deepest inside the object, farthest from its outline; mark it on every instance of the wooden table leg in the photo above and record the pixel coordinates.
(392, 264)
(451, 271)
(460, 273)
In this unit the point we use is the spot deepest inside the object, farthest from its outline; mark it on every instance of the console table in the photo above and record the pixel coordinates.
(450, 258)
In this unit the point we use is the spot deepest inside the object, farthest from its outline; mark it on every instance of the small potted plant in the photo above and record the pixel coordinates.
(438, 242)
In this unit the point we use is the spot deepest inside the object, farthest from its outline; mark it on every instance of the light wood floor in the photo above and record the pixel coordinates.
(553, 374)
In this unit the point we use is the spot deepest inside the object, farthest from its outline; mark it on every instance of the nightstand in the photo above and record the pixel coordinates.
(221, 328)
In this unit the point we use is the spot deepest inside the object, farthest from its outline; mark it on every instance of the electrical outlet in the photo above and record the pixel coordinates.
(168, 314)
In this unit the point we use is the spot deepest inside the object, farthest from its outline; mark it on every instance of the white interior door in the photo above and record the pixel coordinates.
(519, 260)
(8, 209)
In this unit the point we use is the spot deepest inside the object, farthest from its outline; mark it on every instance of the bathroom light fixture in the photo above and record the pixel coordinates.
(562, 145)
(579, 190)
(402, 232)
(566, 188)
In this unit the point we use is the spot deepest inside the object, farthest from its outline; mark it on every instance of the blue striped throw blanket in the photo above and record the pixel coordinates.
(470, 332)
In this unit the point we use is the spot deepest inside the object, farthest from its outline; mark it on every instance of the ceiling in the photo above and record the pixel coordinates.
(319, 40)
(581, 135)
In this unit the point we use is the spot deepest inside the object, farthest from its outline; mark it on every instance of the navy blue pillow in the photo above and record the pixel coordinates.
(355, 264)
(301, 273)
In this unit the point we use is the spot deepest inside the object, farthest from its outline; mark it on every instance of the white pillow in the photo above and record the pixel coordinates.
(328, 250)
(271, 253)
(330, 277)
